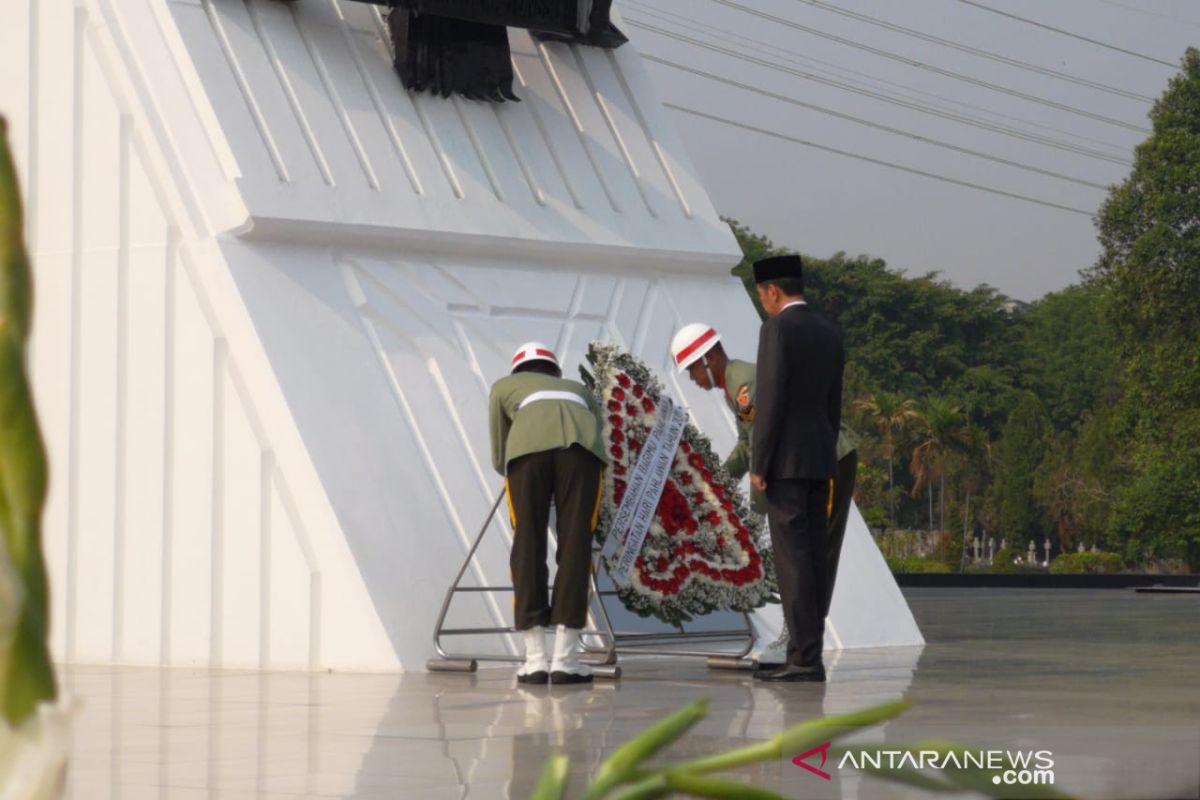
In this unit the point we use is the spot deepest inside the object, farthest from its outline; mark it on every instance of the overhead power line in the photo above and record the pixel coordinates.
(878, 161)
(1070, 34)
(1149, 13)
(976, 51)
(949, 115)
(840, 72)
(912, 62)
(886, 128)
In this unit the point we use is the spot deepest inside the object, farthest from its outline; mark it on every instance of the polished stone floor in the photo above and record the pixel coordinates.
(1108, 681)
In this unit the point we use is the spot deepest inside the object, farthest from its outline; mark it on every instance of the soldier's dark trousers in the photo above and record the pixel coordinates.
(572, 479)
(798, 515)
(843, 494)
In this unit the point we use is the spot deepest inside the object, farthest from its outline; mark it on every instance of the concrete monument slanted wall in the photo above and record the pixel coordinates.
(273, 288)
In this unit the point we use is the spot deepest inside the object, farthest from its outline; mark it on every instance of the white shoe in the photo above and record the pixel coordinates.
(536, 668)
(566, 667)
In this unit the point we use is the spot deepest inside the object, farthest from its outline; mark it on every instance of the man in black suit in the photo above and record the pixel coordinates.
(794, 452)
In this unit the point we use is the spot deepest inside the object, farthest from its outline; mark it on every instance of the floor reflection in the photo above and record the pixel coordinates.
(1108, 682)
(495, 735)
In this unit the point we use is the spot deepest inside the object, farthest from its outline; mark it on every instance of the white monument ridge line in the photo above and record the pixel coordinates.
(273, 288)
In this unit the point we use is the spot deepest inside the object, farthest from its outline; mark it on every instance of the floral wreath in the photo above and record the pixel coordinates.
(702, 552)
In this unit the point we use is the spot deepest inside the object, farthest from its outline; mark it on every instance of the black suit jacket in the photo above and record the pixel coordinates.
(799, 396)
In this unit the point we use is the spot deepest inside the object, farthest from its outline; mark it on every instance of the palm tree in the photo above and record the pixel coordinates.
(975, 457)
(890, 416)
(942, 431)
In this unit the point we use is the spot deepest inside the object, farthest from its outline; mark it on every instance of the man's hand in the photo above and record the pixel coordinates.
(758, 482)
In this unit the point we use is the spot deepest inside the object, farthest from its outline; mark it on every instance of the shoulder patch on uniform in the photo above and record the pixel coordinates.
(743, 397)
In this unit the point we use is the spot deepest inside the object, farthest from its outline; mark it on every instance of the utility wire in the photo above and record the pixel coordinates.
(976, 51)
(880, 162)
(1149, 13)
(1071, 34)
(886, 128)
(912, 62)
(869, 81)
(965, 120)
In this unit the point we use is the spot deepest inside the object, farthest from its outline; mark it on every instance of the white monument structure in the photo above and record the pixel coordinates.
(273, 288)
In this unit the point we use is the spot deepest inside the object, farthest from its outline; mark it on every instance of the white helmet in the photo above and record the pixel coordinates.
(691, 343)
(533, 351)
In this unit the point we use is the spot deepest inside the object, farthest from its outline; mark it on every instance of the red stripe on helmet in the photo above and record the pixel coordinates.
(538, 352)
(694, 346)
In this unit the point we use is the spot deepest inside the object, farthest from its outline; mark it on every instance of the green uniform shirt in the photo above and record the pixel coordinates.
(543, 424)
(739, 396)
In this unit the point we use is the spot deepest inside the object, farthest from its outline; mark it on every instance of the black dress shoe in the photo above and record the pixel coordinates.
(761, 667)
(541, 676)
(792, 674)
(559, 677)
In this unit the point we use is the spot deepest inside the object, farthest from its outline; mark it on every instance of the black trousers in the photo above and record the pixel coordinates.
(843, 494)
(573, 480)
(798, 514)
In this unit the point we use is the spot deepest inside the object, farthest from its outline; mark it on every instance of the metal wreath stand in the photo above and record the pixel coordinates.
(605, 645)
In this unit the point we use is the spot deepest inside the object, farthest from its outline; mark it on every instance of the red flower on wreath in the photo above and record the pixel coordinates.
(673, 509)
(700, 551)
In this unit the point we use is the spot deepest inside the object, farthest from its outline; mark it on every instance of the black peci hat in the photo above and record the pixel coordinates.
(776, 267)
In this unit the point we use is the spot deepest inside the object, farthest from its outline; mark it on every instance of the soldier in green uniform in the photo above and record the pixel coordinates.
(547, 441)
(697, 350)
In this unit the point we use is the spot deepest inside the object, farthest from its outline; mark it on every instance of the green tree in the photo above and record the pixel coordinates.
(1060, 490)
(754, 246)
(889, 416)
(1148, 275)
(1101, 457)
(972, 468)
(1069, 353)
(941, 434)
(1019, 453)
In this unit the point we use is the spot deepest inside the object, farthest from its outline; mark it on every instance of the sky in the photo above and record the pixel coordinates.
(820, 202)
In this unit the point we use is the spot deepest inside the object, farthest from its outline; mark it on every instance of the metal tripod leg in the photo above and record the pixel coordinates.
(611, 643)
(469, 662)
(662, 643)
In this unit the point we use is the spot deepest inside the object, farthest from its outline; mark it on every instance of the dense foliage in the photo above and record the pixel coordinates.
(1075, 418)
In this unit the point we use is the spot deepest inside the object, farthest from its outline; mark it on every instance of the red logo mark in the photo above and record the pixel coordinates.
(823, 749)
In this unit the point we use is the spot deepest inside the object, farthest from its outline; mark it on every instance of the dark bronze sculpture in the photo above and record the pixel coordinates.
(461, 46)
